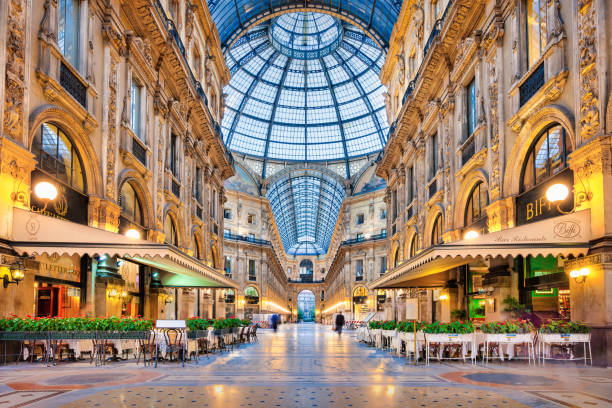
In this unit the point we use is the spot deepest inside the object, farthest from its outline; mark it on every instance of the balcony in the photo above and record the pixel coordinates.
(532, 84)
(176, 188)
(301, 281)
(73, 85)
(433, 188)
(376, 237)
(235, 237)
(467, 151)
(139, 152)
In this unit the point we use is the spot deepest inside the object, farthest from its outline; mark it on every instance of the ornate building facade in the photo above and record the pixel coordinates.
(491, 104)
(115, 106)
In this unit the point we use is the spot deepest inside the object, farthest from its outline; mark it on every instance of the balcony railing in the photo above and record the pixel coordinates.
(139, 151)
(235, 237)
(301, 281)
(176, 189)
(376, 237)
(531, 85)
(433, 188)
(73, 85)
(468, 151)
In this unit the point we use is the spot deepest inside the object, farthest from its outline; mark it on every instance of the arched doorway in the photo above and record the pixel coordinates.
(306, 306)
(251, 302)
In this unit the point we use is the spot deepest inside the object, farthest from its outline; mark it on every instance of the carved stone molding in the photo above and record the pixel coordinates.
(14, 85)
(589, 115)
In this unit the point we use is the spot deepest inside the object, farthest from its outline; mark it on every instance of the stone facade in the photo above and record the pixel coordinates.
(166, 144)
(469, 95)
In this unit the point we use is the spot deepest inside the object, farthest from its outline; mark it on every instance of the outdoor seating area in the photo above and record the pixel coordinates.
(464, 341)
(53, 341)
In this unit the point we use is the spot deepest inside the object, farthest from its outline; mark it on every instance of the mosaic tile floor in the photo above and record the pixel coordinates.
(304, 366)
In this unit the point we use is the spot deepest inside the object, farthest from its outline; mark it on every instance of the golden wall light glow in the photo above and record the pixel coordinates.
(580, 275)
(277, 307)
(132, 233)
(329, 309)
(45, 191)
(444, 297)
(471, 234)
(557, 193)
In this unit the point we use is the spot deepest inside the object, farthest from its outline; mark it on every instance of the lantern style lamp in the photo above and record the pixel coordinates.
(557, 193)
(132, 233)
(17, 273)
(471, 234)
(580, 275)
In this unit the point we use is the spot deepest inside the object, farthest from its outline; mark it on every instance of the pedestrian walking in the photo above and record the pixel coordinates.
(339, 323)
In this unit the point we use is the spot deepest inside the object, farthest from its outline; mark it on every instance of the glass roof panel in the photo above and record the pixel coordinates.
(307, 107)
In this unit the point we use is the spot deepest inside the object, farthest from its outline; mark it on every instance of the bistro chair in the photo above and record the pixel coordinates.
(175, 344)
(253, 335)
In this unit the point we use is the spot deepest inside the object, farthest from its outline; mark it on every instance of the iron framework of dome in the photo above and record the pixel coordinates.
(306, 205)
(305, 88)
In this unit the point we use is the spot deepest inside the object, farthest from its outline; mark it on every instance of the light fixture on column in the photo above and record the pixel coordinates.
(132, 233)
(169, 299)
(557, 193)
(471, 234)
(580, 275)
(444, 297)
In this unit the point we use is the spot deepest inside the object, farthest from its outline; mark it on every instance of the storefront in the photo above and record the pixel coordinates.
(58, 285)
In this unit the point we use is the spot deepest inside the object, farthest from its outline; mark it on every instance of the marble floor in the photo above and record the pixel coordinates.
(304, 366)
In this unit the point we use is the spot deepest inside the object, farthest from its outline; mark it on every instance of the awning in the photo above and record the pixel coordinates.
(36, 234)
(560, 236)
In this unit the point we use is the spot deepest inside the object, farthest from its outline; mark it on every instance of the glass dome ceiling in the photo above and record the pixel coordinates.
(305, 87)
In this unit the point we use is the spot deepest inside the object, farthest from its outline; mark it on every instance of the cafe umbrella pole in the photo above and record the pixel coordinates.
(415, 341)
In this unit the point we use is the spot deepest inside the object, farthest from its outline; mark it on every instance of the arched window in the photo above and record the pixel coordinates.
(251, 295)
(396, 258)
(413, 245)
(547, 156)
(436, 230)
(195, 246)
(130, 204)
(306, 267)
(476, 204)
(58, 157)
(360, 295)
(170, 231)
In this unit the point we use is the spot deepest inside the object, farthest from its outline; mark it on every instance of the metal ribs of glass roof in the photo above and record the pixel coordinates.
(323, 109)
(306, 205)
(376, 16)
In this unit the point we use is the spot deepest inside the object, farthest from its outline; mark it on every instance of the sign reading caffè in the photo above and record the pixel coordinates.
(532, 205)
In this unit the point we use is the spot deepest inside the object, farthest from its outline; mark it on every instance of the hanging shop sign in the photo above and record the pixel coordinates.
(69, 204)
(532, 205)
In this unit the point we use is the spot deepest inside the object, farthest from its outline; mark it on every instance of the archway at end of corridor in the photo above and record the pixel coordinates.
(306, 306)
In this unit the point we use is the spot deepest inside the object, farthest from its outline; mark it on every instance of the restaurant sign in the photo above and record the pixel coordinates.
(69, 205)
(533, 206)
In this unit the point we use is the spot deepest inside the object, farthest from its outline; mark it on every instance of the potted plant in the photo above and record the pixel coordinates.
(510, 331)
(557, 331)
(458, 331)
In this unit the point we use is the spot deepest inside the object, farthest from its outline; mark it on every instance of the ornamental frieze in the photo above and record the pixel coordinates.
(589, 78)
(14, 86)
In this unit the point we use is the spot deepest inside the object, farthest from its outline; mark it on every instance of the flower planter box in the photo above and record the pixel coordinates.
(509, 337)
(123, 335)
(21, 335)
(565, 338)
(388, 333)
(197, 334)
(72, 335)
(449, 337)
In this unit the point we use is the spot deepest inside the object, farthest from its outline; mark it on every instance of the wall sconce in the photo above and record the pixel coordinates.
(444, 297)
(45, 191)
(557, 193)
(169, 299)
(580, 275)
(112, 293)
(471, 234)
(132, 233)
(17, 273)
(124, 294)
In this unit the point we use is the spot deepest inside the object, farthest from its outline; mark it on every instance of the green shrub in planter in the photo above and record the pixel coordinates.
(456, 327)
(562, 327)
(408, 326)
(375, 324)
(509, 326)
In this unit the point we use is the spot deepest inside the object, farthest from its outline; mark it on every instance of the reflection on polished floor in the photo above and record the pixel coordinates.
(304, 365)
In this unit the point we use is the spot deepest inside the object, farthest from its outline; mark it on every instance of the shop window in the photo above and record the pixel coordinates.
(68, 30)
(58, 157)
(360, 295)
(252, 271)
(170, 231)
(130, 205)
(360, 219)
(436, 231)
(477, 202)
(535, 20)
(546, 157)
(251, 295)
(383, 265)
